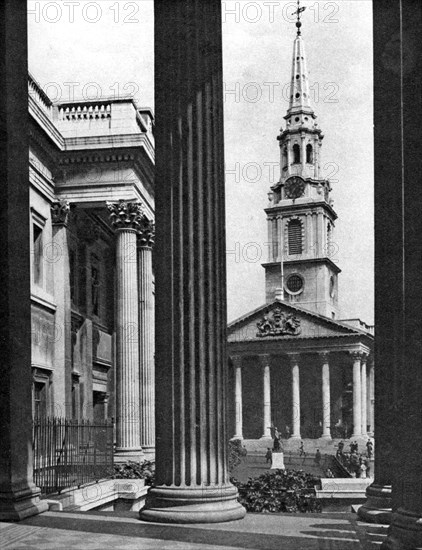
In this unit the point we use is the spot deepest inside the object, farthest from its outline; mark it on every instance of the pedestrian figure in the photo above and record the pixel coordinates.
(269, 456)
(288, 431)
(369, 448)
(301, 450)
(340, 448)
(367, 466)
(318, 457)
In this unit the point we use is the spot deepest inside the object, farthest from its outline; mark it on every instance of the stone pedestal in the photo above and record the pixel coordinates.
(126, 217)
(192, 481)
(294, 361)
(237, 363)
(146, 338)
(278, 461)
(19, 498)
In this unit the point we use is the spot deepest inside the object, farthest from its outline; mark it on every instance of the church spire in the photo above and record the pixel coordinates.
(299, 101)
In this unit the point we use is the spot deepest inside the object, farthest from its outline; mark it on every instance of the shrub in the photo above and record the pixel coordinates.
(135, 470)
(280, 491)
(236, 451)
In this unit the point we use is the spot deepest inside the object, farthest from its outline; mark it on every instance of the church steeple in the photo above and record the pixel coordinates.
(300, 100)
(300, 213)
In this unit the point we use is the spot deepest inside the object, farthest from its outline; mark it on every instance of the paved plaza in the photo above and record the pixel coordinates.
(98, 530)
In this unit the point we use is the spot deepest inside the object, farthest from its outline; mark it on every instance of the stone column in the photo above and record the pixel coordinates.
(19, 498)
(146, 338)
(357, 395)
(364, 419)
(192, 481)
(237, 363)
(303, 152)
(289, 156)
(294, 362)
(326, 400)
(371, 396)
(126, 217)
(266, 384)
(63, 343)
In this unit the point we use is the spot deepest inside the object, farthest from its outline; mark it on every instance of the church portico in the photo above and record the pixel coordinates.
(305, 383)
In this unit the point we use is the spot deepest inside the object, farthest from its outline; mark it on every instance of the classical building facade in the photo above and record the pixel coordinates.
(92, 288)
(296, 343)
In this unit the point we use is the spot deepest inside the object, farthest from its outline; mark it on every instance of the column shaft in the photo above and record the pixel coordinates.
(146, 342)
(266, 381)
(19, 498)
(295, 398)
(371, 397)
(127, 343)
(326, 401)
(357, 397)
(238, 400)
(364, 418)
(192, 481)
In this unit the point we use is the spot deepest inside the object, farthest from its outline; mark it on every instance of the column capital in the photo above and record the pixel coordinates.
(294, 358)
(146, 233)
(60, 213)
(126, 214)
(264, 359)
(324, 356)
(236, 360)
(356, 355)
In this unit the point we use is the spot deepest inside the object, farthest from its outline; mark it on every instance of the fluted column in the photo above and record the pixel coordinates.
(192, 481)
(19, 498)
(126, 217)
(146, 338)
(363, 381)
(357, 395)
(326, 400)
(237, 363)
(294, 362)
(266, 384)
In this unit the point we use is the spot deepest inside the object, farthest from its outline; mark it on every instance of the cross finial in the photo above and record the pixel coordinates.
(298, 12)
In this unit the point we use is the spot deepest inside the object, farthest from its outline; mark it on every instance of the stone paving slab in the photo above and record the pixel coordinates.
(101, 530)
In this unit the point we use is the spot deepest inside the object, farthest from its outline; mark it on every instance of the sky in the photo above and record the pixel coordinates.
(102, 49)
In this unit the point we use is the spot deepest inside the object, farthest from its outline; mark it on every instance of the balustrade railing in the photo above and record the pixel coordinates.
(69, 453)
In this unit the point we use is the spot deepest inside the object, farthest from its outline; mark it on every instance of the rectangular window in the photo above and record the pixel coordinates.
(37, 254)
(40, 399)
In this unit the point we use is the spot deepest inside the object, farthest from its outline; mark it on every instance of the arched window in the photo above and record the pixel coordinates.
(296, 154)
(309, 154)
(294, 232)
(284, 158)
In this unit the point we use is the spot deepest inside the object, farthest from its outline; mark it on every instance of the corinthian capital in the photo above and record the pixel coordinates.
(146, 233)
(125, 215)
(60, 212)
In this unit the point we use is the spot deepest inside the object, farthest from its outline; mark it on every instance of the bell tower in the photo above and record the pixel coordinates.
(300, 213)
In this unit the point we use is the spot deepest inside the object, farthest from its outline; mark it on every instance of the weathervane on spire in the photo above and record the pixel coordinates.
(298, 12)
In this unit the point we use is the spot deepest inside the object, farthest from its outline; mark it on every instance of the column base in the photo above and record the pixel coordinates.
(295, 436)
(148, 452)
(21, 504)
(206, 504)
(326, 437)
(237, 437)
(356, 436)
(405, 531)
(266, 437)
(378, 506)
(129, 455)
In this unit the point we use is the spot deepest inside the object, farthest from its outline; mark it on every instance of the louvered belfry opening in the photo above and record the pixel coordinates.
(295, 237)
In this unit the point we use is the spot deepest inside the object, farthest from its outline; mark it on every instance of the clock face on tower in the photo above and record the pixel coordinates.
(294, 187)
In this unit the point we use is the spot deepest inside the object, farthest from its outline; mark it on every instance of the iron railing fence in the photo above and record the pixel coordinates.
(69, 453)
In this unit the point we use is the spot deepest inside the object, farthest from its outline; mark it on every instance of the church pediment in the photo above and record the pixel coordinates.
(281, 320)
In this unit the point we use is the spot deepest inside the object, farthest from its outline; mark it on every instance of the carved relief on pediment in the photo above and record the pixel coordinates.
(277, 323)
